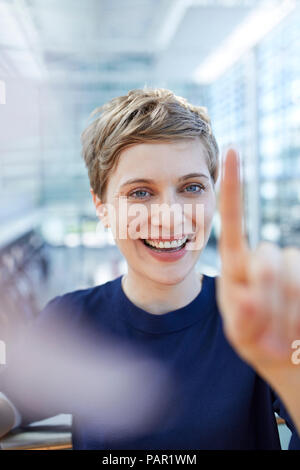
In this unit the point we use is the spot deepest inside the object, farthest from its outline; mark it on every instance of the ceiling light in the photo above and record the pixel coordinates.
(257, 24)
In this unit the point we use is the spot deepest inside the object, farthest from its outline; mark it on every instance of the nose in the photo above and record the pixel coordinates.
(167, 216)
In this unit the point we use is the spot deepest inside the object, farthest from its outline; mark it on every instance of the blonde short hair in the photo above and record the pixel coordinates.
(141, 116)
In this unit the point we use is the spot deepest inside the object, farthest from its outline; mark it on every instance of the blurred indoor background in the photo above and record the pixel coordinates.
(59, 59)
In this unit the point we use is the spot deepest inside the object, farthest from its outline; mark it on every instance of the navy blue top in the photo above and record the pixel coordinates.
(220, 401)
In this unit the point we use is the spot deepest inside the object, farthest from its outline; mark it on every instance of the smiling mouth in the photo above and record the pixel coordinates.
(164, 249)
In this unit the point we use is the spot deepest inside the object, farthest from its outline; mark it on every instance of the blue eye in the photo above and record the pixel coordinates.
(138, 191)
(143, 193)
(194, 185)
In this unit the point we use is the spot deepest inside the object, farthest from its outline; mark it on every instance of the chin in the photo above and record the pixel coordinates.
(168, 278)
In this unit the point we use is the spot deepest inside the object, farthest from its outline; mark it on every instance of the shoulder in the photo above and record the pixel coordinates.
(74, 305)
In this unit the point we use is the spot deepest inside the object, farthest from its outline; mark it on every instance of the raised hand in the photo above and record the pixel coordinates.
(258, 291)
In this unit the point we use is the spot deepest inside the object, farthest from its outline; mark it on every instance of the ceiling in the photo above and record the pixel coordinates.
(93, 42)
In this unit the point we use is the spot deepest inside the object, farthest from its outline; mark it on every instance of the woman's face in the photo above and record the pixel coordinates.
(170, 195)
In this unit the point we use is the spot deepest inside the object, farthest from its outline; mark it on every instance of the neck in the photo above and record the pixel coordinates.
(157, 298)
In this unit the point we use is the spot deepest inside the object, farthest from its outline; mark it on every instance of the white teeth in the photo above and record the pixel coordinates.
(167, 244)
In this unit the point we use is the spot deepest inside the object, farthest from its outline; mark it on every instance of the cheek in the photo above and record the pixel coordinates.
(202, 221)
(209, 215)
(205, 213)
(119, 220)
(127, 247)
(204, 210)
(130, 225)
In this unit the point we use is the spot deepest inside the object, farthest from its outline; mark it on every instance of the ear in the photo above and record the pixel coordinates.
(101, 209)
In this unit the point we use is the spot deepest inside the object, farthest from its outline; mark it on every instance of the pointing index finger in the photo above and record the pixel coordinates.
(232, 240)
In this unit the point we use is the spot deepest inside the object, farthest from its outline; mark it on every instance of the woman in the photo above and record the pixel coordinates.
(225, 341)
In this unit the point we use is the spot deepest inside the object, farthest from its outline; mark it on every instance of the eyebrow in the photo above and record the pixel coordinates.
(151, 181)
